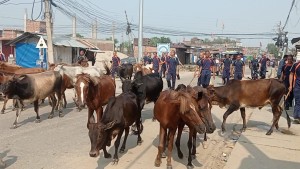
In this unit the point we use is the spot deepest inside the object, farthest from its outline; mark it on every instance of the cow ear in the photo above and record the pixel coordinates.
(109, 125)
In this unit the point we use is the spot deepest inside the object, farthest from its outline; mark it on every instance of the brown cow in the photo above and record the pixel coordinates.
(94, 92)
(140, 67)
(249, 93)
(181, 107)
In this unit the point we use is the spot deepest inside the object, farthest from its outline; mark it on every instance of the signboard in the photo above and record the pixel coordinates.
(41, 44)
(163, 47)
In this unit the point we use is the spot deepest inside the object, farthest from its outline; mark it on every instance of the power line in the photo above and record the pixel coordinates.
(3, 2)
(33, 8)
(286, 21)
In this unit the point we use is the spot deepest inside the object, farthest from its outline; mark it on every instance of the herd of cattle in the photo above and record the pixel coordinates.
(173, 109)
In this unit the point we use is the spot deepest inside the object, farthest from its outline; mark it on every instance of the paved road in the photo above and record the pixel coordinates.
(63, 143)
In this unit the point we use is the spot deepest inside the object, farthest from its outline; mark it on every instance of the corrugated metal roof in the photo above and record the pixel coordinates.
(66, 41)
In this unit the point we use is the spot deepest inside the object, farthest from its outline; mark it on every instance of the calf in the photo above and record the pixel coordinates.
(121, 112)
(125, 70)
(257, 93)
(32, 88)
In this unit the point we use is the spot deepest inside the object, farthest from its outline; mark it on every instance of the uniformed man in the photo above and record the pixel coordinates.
(171, 70)
(263, 66)
(206, 65)
(239, 68)
(115, 63)
(197, 72)
(81, 57)
(226, 69)
(163, 65)
(156, 62)
(285, 74)
(254, 65)
(145, 59)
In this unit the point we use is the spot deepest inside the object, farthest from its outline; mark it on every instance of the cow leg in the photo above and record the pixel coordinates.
(22, 105)
(117, 143)
(276, 115)
(54, 105)
(170, 147)
(194, 145)
(231, 109)
(60, 103)
(190, 144)
(36, 109)
(139, 130)
(177, 142)
(90, 114)
(65, 100)
(162, 133)
(4, 105)
(122, 149)
(243, 114)
(18, 113)
(106, 154)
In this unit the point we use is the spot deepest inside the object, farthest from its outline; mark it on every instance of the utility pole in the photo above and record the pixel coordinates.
(141, 31)
(113, 35)
(25, 20)
(74, 26)
(48, 17)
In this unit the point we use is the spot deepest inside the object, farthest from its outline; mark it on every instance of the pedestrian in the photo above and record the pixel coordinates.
(295, 88)
(206, 65)
(177, 69)
(145, 59)
(149, 59)
(163, 65)
(285, 74)
(171, 70)
(280, 65)
(254, 65)
(239, 68)
(115, 64)
(81, 57)
(156, 62)
(263, 66)
(226, 69)
(2, 57)
(197, 71)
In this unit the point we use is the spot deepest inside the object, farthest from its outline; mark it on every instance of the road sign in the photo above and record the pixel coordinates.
(163, 47)
(41, 44)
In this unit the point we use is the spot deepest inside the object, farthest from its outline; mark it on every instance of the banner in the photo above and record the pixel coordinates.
(162, 47)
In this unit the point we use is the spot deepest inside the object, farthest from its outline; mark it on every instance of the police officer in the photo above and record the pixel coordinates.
(145, 59)
(149, 58)
(171, 70)
(200, 58)
(205, 69)
(295, 88)
(115, 63)
(254, 65)
(156, 62)
(239, 68)
(263, 66)
(226, 69)
(163, 65)
(285, 74)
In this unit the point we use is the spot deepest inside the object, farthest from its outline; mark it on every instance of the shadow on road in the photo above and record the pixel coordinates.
(8, 160)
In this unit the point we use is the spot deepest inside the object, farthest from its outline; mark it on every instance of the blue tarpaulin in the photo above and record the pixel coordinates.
(27, 55)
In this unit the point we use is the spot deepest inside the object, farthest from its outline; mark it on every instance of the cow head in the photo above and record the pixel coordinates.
(10, 87)
(99, 135)
(204, 106)
(130, 85)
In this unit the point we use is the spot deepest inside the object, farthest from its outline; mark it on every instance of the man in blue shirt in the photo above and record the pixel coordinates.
(171, 70)
(239, 68)
(254, 65)
(206, 65)
(156, 62)
(226, 69)
(280, 65)
(145, 59)
(295, 88)
(163, 65)
(263, 66)
(115, 63)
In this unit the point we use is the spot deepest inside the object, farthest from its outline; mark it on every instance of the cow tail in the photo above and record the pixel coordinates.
(288, 119)
(107, 69)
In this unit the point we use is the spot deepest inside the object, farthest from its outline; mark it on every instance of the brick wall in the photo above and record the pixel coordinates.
(35, 26)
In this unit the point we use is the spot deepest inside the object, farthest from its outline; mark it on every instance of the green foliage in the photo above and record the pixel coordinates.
(155, 40)
(272, 49)
(78, 35)
(115, 40)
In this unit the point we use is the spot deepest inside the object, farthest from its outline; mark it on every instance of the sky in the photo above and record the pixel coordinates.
(214, 16)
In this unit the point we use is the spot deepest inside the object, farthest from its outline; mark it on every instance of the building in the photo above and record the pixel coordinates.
(65, 49)
(35, 26)
(7, 35)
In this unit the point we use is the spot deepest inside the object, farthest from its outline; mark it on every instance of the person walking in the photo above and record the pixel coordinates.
(280, 66)
(177, 69)
(115, 64)
(226, 69)
(263, 66)
(197, 71)
(239, 68)
(285, 74)
(294, 79)
(163, 65)
(171, 70)
(145, 59)
(2, 57)
(254, 65)
(205, 69)
(156, 62)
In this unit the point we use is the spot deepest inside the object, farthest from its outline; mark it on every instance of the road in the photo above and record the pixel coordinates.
(63, 143)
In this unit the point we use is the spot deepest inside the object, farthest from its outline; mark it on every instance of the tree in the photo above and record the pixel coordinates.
(272, 49)
(155, 40)
(78, 35)
(115, 40)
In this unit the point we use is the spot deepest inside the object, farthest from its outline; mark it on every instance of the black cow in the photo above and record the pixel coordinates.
(121, 112)
(125, 70)
(34, 87)
(147, 88)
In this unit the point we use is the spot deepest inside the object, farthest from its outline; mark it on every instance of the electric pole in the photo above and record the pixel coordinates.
(74, 26)
(141, 31)
(48, 16)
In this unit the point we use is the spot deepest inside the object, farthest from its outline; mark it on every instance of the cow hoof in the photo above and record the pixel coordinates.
(190, 167)
(14, 109)
(140, 142)
(243, 129)
(154, 119)
(193, 156)
(2, 111)
(223, 133)
(269, 133)
(122, 150)
(164, 155)
(180, 155)
(169, 167)
(115, 161)
(14, 126)
(204, 145)
(107, 155)
(157, 163)
(61, 115)
(38, 120)
(50, 116)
